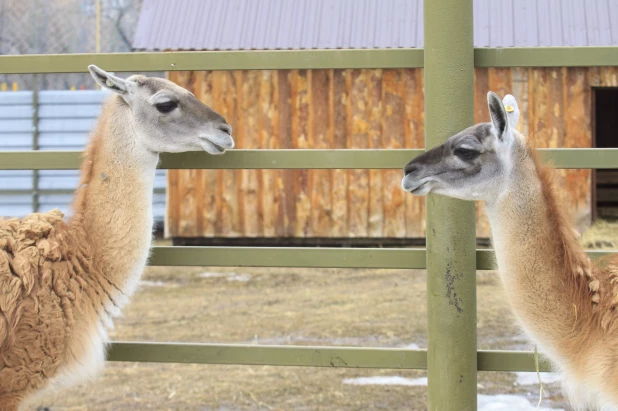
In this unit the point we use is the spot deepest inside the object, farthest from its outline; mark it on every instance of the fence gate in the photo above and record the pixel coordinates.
(451, 359)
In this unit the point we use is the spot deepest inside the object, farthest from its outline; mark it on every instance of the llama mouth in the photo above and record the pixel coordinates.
(212, 148)
(413, 187)
(217, 143)
(418, 188)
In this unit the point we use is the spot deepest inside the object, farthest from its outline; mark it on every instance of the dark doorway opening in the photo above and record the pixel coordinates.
(605, 189)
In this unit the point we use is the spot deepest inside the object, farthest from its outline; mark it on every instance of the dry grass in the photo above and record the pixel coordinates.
(287, 306)
(602, 235)
(282, 306)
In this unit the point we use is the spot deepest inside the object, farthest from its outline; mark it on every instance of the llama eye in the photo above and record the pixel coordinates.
(166, 107)
(466, 154)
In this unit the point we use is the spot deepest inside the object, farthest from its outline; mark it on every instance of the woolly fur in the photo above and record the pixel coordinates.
(562, 299)
(62, 283)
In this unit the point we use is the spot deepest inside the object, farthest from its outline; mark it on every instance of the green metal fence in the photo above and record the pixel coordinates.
(449, 58)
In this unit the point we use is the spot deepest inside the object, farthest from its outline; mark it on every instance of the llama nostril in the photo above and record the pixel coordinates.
(226, 128)
(410, 168)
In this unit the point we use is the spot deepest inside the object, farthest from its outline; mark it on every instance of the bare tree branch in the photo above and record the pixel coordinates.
(118, 24)
(64, 26)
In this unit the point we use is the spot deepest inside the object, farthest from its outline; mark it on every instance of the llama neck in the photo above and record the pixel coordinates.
(538, 257)
(113, 204)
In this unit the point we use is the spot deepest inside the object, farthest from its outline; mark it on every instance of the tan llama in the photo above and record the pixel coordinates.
(61, 283)
(566, 304)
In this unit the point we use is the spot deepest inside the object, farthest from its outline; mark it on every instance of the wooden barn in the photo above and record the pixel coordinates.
(561, 107)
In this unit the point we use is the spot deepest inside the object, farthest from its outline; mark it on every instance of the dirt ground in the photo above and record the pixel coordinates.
(381, 308)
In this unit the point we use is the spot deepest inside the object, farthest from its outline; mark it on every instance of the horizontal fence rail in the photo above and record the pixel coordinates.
(213, 60)
(299, 159)
(546, 57)
(314, 257)
(301, 59)
(308, 356)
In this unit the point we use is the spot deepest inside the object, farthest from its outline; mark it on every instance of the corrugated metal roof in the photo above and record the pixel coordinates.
(328, 24)
(65, 119)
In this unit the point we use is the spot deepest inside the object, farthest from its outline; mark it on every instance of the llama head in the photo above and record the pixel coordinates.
(475, 163)
(167, 117)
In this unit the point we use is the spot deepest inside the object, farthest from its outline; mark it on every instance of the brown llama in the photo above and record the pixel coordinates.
(61, 283)
(564, 302)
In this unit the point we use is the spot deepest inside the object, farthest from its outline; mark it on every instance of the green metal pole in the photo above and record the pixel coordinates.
(451, 259)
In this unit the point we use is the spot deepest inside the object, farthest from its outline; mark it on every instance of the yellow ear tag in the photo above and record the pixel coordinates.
(109, 83)
(509, 109)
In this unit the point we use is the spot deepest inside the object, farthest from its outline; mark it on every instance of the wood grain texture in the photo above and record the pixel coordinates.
(301, 138)
(339, 182)
(287, 216)
(393, 99)
(250, 212)
(269, 192)
(481, 88)
(501, 80)
(207, 179)
(538, 107)
(358, 137)
(609, 76)
(375, 114)
(357, 109)
(321, 130)
(225, 101)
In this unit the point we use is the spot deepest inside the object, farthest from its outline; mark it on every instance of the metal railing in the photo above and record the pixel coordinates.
(449, 60)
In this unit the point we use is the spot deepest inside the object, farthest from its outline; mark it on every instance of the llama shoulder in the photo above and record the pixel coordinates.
(39, 256)
(41, 235)
(38, 249)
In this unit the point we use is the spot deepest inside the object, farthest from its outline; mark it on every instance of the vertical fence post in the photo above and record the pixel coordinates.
(451, 260)
(35, 140)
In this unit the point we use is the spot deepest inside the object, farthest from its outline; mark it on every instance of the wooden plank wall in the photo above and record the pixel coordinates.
(303, 109)
(356, 109)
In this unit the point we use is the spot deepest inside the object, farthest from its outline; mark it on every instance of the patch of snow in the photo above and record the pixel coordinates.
(209, 274)
(386, 380)
(228, 276)
(412, 347)
(507, 402)
(500, 402)
(239, 277)
(531, 378)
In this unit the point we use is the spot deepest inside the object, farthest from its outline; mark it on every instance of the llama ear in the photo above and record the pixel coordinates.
(109, 81)
(498, 114)
(512, 110)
